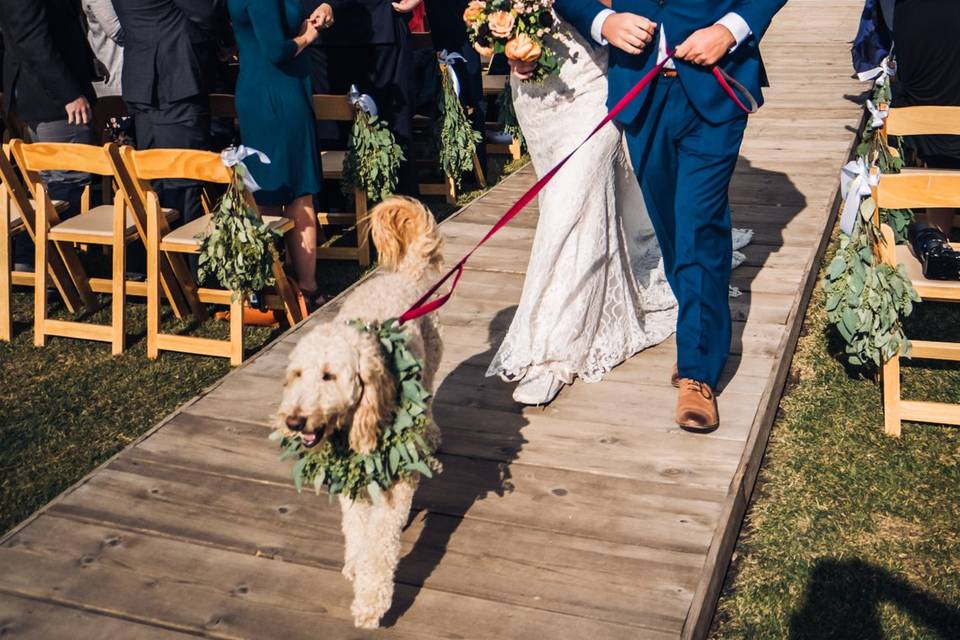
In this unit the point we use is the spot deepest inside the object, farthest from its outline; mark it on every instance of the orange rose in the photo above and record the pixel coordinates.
(501, 23)
(486, 52)
(523, 48)
(474, 11)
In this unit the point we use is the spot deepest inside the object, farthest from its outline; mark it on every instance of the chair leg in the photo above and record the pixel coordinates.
(236, 331)
(119, 276)
(451, 190)
(40, 276)
(6, 313)
(363, 228)
(891, 396)
(153, 284)
(478, 171)
(291, 307)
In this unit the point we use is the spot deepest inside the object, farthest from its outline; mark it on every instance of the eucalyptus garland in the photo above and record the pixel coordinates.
(240, 248)
(866, 298)
(373, 158)
(404, 448)
(507, 117)
(454, 137)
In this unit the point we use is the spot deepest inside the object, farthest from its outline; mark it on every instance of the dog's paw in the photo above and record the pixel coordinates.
(366, 621)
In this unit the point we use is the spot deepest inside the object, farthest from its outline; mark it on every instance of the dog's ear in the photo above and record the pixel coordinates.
(377, 398)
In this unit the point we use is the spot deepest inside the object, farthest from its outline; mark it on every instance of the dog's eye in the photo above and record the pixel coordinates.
(327, 376)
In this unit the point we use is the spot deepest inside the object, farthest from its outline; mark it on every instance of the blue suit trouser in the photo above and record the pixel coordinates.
(684, 165)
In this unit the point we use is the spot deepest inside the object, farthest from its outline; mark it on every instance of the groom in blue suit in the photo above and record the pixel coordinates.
(684, 134)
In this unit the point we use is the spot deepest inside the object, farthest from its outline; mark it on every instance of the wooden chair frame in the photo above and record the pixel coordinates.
(37, 157)
(923, 188)
(144, 166)
(493, 86)
(65, 269)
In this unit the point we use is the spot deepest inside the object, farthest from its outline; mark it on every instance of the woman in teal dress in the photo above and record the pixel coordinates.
(275, 110)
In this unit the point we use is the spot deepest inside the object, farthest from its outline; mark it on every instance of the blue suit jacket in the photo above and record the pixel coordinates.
(681, 18)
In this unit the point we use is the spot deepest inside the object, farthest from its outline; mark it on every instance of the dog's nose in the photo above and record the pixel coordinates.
(296, 423)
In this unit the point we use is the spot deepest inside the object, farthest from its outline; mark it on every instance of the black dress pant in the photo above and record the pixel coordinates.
(385, 72)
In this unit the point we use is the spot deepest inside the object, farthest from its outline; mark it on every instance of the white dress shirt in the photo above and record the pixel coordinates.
(732, 21)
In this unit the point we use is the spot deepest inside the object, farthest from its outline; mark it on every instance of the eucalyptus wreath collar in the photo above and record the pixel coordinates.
(403, 448)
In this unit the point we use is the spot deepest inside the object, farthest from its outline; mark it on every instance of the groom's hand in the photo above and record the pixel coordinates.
(628, 32)
(706, 46)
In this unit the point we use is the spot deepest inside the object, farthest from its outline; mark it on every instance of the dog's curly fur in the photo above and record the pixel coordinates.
(337, 378)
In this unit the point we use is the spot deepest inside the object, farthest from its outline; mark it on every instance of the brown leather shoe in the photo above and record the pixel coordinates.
(675, 377)
(697, 407)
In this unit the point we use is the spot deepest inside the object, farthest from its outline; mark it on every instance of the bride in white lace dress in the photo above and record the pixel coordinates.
(595, 290)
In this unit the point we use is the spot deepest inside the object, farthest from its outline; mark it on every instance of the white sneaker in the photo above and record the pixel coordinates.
(537, 387)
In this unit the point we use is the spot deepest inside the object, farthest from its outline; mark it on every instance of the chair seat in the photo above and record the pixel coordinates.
(186, 239)
(96, 225)
(333, 164)
(16, 218)
(927, 289)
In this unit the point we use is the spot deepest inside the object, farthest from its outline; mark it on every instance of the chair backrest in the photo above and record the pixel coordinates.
(16, 189)
(916, 189)
(919, 121)
(187, 164)
(336, 108)
(61, 156)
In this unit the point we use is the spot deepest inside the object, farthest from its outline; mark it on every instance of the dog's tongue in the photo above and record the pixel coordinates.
(308, 438)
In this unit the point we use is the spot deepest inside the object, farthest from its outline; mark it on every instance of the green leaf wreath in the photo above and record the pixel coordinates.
(454, 137)
(507, 117)
(239, 249)
(373, 158)
(404, 448)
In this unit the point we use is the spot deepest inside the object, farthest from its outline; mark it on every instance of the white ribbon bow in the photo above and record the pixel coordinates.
(877, 114)
(886, 70)
(448, 59)
(856, 181)
(362, 100)
(234, 157)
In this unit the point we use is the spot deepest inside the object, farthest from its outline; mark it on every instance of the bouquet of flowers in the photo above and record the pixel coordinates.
(515, 28)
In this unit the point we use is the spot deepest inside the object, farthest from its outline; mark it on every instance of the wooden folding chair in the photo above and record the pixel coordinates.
(107, 225)
(337, 108)
(424, 125)
(18, 215)
(157, 164)
(493, 86)
(921, 188)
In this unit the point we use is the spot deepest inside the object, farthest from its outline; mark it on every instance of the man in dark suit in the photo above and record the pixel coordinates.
(449, 33)
(48, 71)
(684, 134)
(369, 46)
(170, 66)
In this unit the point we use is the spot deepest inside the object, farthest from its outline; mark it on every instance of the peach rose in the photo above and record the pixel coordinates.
(522, 48)
(486, 52)
(474, 11)
(501, 23)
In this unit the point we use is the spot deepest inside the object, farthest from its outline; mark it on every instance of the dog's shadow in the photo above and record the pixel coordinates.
(477, 451)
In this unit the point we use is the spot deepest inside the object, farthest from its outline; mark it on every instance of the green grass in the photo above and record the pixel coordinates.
(67, 407)
(852, 534)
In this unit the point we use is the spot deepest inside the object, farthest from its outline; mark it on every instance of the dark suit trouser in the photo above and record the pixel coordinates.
(685, 164)
(385, 71)
(184, 124)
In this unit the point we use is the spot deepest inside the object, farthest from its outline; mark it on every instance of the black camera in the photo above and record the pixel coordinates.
(932, 248)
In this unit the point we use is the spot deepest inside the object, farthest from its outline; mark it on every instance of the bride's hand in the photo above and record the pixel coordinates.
(522, 70)
(628, 32)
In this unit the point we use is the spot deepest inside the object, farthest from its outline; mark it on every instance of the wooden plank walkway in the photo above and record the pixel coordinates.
(595, 517)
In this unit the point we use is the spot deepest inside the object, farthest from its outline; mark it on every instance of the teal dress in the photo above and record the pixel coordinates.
(273, 101)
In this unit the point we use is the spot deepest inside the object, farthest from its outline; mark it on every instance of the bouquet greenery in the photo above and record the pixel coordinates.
(373, 158)
(454, 137)
(404, 448)
(515, 28)
(240, 248)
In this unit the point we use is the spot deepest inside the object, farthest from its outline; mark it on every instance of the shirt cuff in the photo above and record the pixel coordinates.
(596, 28)
(737, 26)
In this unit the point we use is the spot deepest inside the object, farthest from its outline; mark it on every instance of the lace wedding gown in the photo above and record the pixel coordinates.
(595, 291)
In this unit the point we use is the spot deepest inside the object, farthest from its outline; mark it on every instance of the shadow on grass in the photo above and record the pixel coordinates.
(843, 600)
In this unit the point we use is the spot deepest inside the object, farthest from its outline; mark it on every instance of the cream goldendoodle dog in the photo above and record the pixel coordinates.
(338, 378)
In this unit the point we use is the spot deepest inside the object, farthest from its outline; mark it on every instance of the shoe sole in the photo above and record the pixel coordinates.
(699, 428)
